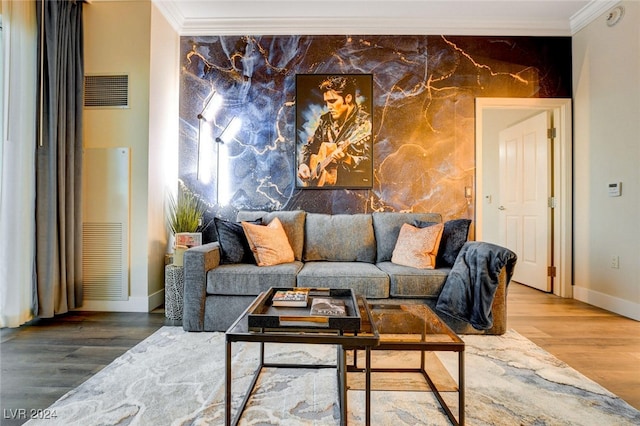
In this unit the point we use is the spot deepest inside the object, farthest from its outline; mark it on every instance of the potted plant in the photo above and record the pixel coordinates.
(185, 221)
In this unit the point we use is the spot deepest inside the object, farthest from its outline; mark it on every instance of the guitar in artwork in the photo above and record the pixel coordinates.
(329, 152)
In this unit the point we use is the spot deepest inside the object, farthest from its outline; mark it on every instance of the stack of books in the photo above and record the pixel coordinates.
(292, 298)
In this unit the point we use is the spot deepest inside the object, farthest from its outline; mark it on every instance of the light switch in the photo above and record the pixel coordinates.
(615, 189)
(467, 192)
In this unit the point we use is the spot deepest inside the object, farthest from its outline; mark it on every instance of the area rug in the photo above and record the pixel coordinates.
(177, 378)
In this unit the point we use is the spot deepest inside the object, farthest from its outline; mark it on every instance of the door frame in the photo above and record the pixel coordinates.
(560, 109)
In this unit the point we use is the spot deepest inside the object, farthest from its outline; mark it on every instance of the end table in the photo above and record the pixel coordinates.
(173, 291)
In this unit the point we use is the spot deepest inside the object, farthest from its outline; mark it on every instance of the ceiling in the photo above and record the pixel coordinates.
(459, 17)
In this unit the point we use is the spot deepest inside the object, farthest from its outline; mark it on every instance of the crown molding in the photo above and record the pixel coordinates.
(380, 26)
(171, 13)
(589, 13)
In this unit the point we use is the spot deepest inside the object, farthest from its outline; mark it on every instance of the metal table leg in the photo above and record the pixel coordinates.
(367, 386)
(461, 387)
(252, 386)
(227, 381)
(342, 384)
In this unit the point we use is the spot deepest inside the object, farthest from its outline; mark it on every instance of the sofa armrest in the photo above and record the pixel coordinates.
(197, 261)
(476, 288)
(499, 306)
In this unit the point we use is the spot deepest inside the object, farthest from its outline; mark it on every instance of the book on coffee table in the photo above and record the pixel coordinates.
(328, 307)
(263, 315)
(292, 298)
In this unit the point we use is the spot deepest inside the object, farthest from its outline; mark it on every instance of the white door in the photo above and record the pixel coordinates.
(524, 217)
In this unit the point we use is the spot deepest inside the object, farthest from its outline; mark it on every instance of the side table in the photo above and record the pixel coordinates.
(344, 340)
(173, 291)
(415, 327)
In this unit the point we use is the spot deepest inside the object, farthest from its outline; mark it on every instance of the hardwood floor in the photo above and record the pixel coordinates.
(44, 360)
(601, 345)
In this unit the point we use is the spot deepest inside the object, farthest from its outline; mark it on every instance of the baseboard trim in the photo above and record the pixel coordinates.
(614, 304)
(133, 304)
(156, 299)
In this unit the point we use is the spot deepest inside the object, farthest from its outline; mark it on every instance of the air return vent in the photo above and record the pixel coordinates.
(106, 91)
(105, 210)
(104, 260)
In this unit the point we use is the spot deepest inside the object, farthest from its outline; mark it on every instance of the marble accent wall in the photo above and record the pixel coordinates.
(424, 90)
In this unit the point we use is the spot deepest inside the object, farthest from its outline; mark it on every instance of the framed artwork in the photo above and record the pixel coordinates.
(334, 144)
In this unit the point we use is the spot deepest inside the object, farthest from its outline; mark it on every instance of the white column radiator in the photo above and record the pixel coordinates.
(105, 239)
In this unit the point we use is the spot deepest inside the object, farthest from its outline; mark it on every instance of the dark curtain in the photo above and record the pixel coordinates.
(59, 157)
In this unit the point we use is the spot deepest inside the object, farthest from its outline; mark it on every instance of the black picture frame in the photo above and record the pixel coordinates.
(335, 144)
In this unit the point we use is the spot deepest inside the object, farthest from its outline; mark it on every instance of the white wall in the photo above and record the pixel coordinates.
(163, 138)
(118, 40)
(606, 87)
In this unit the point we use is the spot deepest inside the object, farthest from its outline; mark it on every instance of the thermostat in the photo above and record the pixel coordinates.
(615, 189)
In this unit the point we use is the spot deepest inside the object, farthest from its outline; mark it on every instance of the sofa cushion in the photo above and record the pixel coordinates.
(454, 236)
(339, 238)
(405, 281)
(234, 247)
(386, 226)
(250, 280)
(363, 278)
(292, 222)
(269, 244)
(417, 247)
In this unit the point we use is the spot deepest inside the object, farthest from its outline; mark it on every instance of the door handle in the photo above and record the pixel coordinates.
(501, 208)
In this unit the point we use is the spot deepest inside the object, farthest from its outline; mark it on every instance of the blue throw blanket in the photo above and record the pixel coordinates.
(469, 290)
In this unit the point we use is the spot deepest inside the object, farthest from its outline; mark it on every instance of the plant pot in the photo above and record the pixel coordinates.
(189, 239)
(178, 256)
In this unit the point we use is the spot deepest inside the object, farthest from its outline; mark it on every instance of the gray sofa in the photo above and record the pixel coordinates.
(336, 251)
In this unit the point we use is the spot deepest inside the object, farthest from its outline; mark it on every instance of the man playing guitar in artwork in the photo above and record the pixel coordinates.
(339, 152)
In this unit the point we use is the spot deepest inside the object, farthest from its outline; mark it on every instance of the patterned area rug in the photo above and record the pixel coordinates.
(177, 378)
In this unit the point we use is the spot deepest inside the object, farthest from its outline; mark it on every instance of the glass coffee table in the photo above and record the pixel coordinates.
(264, 323)
(408, 327)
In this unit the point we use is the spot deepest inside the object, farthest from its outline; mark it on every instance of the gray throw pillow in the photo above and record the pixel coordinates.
(454, 236)
(234, 247)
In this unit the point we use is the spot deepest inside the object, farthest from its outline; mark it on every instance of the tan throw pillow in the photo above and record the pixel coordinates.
(417, 247)
(269, 244)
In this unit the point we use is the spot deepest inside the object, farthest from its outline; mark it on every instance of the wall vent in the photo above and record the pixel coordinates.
(103, 261)
(106, 91)
(105, 223)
